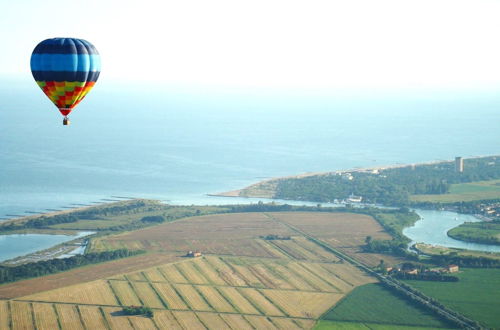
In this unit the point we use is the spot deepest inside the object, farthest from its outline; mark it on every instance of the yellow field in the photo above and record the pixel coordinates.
(45, 316)
(259, 322)
(215, 299)
(166, 320)
(153, 275)
(188, 270)
(282, 278)
(235, 321)
(225, 272)
(4, 314)
(192, 297)
(141, 323)
(256, 288)
(21, 315)
(69, 317)
(92, 317)
(242, 304)
(171, 273)
(115, 320)
(170, 296)
(212, 321)
(125, 293)
(92, 293)
(147, 295)
(304, 304)
(188, 320)
(263, 304)
(289, 288)
(209, 272)
(135, 277)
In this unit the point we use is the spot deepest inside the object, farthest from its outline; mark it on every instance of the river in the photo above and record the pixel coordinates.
(433, 226)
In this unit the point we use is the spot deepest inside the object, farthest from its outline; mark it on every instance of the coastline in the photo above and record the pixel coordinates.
(266, 188)
(65, 211)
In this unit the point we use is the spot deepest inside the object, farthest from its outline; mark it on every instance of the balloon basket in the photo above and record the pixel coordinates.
(66, 121)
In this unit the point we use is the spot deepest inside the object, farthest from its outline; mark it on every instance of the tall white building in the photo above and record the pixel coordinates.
(459, 164)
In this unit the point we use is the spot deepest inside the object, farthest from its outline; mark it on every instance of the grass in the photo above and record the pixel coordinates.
(481, 232)
(372, 303)
(330, 325)
(464, 192)
(475, 295)
(438, 250)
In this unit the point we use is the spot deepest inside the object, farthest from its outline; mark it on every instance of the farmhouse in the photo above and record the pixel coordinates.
(192, 254)
(452, 268)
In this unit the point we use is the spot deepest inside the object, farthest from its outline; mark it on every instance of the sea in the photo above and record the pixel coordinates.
(180, 142)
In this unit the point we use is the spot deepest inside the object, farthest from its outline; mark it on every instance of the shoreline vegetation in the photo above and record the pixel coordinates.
(437, 177)
(485, 232)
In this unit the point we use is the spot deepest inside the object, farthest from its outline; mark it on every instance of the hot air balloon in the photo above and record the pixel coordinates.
(66, 69)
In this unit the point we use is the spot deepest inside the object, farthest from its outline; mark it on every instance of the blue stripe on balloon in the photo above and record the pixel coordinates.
(65, 62)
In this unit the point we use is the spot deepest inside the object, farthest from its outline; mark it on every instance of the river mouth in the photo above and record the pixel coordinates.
(434, 225)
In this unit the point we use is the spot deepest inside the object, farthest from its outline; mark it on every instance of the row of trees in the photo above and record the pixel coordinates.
(465, 261)
(40, 268)
(427, 276)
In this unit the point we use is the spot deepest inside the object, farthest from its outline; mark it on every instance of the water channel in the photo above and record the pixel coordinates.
(433, 226)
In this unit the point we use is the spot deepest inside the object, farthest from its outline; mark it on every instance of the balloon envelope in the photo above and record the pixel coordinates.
(66, 69)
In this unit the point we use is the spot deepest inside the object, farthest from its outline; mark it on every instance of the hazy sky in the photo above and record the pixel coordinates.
(347, 43)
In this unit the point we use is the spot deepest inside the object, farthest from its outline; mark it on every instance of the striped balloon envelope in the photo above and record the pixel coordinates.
(66, 69)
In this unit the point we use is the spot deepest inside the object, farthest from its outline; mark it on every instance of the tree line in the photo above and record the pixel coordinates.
(40, 268)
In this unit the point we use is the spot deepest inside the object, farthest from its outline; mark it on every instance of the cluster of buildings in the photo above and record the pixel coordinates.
(491, 210)
(411, 269)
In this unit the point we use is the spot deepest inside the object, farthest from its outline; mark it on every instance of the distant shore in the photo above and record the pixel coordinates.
(267, 188)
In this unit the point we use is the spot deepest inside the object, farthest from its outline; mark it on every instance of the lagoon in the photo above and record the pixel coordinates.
(15, 245)
(433, 226)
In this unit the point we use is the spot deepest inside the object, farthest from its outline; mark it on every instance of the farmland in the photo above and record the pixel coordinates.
(464, 192)
(241, 282)
(344, 231)
(373, 304)
(263, 300)
(475, 295)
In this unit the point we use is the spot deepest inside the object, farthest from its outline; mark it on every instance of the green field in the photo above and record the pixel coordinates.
(329, 325)
(476, 295)
(429, 249)
(464, 192)
(481, 232)
(372, 303)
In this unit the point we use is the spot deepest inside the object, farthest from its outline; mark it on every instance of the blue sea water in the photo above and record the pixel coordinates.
(179, 143)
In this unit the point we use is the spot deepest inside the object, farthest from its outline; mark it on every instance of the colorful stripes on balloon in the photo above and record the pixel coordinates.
(66, 69)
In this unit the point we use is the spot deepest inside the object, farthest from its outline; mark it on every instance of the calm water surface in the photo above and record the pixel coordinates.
(16, 245)
(434, 225)
(180, 143)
